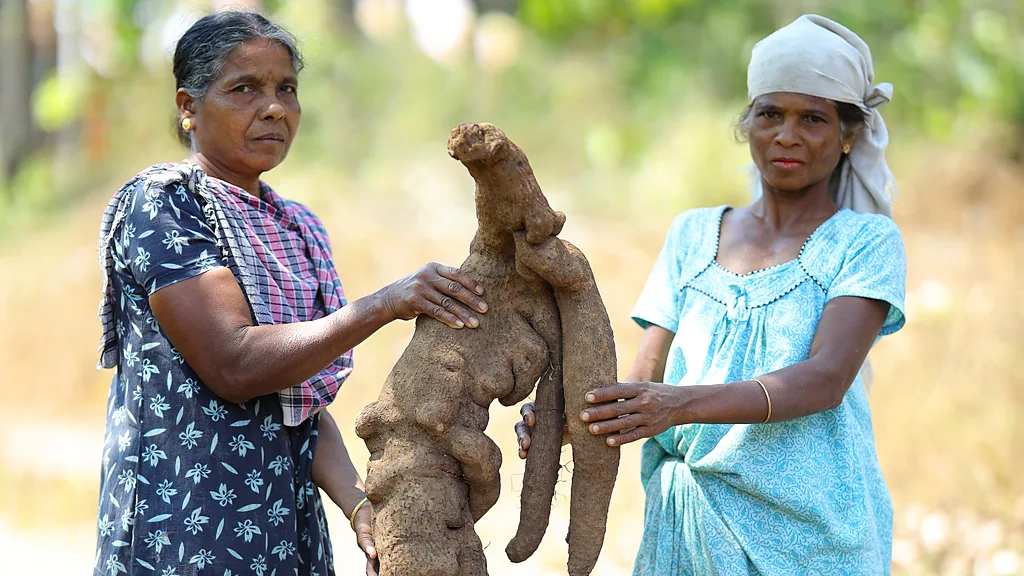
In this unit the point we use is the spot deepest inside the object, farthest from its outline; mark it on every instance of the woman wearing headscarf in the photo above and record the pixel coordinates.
(225, 318)
(757, 320)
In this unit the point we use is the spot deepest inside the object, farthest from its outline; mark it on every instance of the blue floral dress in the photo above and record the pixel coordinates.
(191, 483)
(799, 497)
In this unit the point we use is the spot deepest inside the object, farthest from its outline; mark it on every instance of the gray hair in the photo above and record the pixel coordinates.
(202, 51)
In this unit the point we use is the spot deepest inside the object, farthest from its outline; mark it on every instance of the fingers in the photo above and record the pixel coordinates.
(527, 413)
(523, 428)
(453, 289)
(523, 436)
(610, 411)
(447, 310)
(616, 392)
(364, 539)
(365, 542)
(638, 433)
(617, 424)
(463, 279)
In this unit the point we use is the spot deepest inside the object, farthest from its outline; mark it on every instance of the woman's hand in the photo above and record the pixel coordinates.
(524, 426)
(437, 291)
(636, 410)
(364, 538)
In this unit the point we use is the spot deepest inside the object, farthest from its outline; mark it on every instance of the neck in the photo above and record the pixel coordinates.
(248, 182)
(781, 207)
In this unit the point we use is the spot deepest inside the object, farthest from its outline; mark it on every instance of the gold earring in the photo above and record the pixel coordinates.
(846, 148)
(186, 124)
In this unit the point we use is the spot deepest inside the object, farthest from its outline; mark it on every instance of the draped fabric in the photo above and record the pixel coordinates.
(799, 497)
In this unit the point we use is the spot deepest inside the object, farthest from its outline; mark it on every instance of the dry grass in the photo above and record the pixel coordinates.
(947, 399)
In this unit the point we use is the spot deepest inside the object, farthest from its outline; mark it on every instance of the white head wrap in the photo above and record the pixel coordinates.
(819, 57)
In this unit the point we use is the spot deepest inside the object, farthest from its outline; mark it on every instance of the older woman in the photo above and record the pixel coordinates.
(758, 319)
(226, 321)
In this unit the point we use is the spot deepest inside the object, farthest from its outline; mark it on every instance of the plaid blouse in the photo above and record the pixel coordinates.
(278, 249)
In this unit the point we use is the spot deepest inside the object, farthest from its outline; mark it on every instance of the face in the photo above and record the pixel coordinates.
(246, 121)
(795, 140)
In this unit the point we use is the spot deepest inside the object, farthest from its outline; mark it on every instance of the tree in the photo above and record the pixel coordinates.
(16, 133)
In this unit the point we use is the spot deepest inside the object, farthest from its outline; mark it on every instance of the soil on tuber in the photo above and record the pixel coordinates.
(432, 471)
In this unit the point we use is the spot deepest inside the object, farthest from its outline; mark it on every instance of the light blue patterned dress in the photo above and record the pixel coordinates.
(799, 497)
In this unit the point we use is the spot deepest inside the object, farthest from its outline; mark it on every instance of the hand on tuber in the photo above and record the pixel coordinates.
(441, 292)
(634, 410)
(525, 426)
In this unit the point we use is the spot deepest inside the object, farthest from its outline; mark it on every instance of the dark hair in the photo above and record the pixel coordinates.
(201, 52)
(852, 121)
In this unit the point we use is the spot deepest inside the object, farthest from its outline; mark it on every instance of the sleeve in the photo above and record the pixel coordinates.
(659, 302)
(165, 237)
(875, 267)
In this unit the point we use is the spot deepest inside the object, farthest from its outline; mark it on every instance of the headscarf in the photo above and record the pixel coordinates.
(819, 57)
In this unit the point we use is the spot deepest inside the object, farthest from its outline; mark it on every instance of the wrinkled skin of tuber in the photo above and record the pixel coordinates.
(432, 472)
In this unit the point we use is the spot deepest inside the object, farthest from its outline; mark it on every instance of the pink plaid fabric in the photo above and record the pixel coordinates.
(287, 239)
(277, 249)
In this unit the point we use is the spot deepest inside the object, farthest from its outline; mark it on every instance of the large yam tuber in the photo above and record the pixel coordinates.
(588, 359)
(432, 472)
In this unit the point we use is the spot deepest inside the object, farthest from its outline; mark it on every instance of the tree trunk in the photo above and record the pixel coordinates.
(15, 86)
(508, 6)
(346, 18)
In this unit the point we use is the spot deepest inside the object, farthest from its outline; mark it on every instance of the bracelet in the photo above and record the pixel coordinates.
(352, 519)
(767, 397)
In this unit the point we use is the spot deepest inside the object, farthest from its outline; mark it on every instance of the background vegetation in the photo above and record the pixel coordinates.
(626, 110)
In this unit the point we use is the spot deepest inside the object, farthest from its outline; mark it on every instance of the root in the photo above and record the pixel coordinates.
(432, 472)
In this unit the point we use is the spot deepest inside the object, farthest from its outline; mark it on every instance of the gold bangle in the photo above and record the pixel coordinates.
(768, 398)
(352, 519)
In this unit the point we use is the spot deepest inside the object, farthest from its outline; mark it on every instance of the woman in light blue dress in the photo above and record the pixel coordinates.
(757, 320)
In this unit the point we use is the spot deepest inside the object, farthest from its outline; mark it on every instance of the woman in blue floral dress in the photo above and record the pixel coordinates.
(227, 324)
(757, 320)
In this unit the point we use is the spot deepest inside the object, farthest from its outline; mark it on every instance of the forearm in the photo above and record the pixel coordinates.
(846, 330)
(798, 390)
(333, 471)
(271, 358)
(646, 370)
(651, 356)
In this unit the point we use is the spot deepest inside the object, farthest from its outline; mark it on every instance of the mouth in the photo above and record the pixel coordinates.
(787, 163)
(270, 138)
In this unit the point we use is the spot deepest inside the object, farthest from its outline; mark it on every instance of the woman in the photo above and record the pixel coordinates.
(757, 319)
(226, 321)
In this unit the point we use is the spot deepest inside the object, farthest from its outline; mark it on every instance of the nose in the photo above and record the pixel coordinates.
(788, 134)
(273, 111)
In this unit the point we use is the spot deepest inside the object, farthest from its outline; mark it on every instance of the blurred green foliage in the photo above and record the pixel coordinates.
(604, 93)
(946, 57)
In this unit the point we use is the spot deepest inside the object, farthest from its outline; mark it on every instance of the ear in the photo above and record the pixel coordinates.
(185, 102)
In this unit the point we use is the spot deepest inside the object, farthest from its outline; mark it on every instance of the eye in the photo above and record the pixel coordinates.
(812, 119)
(769, 114)
(244, 88)
(290, 89)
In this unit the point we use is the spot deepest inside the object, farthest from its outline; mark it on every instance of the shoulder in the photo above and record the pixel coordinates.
(697, 217)
(162, 196)
(853, 239)
(159, 178)
(302, 213)
(154, 185)
(695, 223)
(691, 242)
(299, 213)
(858, 228)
